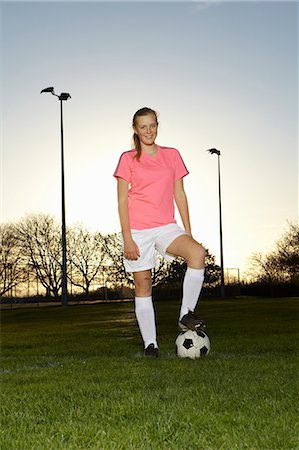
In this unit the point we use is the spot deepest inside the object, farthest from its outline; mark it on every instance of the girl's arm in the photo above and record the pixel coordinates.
(182, 204)
(131, 250)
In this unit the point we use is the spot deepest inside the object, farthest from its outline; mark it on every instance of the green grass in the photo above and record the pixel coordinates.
(74, 378)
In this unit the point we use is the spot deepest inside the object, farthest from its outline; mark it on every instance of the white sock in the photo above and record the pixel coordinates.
(145, 314)
(192, 285)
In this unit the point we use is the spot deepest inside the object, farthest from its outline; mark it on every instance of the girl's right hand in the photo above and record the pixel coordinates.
(131, 250)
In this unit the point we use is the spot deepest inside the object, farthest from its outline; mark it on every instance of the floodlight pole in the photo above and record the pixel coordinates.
(62, 97)
(63, 227)
(222, 286)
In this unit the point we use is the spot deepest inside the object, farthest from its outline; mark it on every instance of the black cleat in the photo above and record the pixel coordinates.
(191, 322)
(151, 351)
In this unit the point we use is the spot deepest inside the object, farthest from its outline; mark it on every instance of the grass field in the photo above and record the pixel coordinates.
(74, 378)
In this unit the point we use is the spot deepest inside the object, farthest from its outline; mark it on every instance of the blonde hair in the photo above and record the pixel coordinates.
(136, 141)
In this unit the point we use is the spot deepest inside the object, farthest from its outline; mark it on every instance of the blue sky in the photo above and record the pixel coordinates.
(221, 74)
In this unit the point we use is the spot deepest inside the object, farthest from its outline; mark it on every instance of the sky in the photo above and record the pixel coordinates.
(220, 74)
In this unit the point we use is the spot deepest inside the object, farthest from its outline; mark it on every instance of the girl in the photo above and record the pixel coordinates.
(149, 180)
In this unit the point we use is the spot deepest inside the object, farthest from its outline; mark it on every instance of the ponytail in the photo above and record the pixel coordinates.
(137, 145)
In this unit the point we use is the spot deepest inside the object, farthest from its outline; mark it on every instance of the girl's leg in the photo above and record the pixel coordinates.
(144, 308)
(194, 253)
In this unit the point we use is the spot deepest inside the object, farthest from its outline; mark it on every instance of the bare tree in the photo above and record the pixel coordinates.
(263, 268)
(161, 271)
(41, 240)
(282, 264)
(86, 255)
(12, 264)
(113, 262)
(287, 252)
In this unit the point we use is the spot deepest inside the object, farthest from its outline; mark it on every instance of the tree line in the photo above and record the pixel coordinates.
(30, 262)
(281, 265)
(31, 257)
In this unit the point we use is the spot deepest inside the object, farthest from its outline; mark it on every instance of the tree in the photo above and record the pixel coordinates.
(40, 238)
(161, 271)
(287, 252)
(86, 256)
(212, 270)
(263, 268)
(113, 262)
(282, 264)
(12, 264)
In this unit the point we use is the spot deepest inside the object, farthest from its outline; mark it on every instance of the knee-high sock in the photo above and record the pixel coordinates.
(145, 315)
(192, 285)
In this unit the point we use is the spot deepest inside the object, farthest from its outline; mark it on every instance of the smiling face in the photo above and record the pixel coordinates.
(146, 127)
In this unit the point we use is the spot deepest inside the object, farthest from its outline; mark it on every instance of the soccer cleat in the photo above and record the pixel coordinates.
(191, 322)
(151, 351)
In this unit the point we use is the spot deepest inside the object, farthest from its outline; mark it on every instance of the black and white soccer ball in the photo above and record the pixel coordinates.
(192, 344)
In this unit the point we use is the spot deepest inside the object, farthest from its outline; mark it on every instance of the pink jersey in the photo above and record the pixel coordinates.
(151, 185)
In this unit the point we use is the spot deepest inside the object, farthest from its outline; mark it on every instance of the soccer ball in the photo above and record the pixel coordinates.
(192, 344)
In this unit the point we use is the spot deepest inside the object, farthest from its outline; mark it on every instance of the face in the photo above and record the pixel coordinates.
(146, 128)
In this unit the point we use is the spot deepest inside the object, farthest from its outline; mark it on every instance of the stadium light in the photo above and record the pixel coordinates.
(62, 97)
(214, 151)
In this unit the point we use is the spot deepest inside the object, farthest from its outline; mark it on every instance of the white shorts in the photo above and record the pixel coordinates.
(149, 240)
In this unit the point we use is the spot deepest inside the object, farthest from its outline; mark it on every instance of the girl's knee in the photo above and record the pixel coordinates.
(197, 256)
(143, 285)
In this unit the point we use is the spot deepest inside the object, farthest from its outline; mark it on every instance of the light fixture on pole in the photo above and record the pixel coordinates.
(214, 151)
(62, 97)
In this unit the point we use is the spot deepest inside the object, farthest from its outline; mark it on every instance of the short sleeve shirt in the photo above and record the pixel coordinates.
(151, 185)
